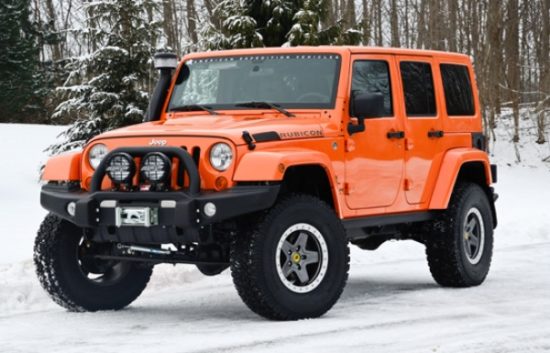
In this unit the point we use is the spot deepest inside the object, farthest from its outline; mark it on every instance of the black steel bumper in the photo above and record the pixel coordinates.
(175, 208)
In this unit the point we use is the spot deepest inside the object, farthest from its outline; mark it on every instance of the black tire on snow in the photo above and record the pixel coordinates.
(211, 270)
(59, 272)
(253, 261)
(445, 250)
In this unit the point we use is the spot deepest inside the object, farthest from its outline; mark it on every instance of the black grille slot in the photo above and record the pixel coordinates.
(196, 155)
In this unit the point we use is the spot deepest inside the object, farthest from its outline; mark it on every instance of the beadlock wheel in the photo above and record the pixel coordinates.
(474, 236)
(302, 258)
(292, 261)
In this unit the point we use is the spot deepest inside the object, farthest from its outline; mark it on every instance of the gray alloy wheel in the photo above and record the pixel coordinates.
(474, 235)
(302, 258)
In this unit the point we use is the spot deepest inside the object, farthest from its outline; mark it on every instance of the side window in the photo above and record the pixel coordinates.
(458, 89)
(373, 76)
(418, 88)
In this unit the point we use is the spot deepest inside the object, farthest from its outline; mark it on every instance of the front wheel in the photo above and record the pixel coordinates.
(77, 281)
(294, 262)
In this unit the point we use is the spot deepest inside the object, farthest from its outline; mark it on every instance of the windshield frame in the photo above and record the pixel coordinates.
(183, 68)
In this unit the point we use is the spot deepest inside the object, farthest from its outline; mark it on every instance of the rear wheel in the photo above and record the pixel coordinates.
(460, 246)
(294, 263)
(76, 280)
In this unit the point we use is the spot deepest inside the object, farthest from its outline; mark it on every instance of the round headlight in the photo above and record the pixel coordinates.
(156, 167)
(221, 156)
(96, 154)
(121, 168)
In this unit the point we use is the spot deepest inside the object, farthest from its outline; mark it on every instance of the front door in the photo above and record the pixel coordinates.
(375, 157)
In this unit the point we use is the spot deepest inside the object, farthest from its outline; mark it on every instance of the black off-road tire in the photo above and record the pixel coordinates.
(254, 270)
(211, 270)
(59, 272)
(447, 255)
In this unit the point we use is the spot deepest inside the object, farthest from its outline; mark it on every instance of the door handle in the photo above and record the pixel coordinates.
(396, 134)
(435, 133)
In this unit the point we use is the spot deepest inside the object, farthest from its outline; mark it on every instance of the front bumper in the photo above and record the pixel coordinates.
(175, 208)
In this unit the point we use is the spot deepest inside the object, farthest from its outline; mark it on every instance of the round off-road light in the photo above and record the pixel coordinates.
(71, 209)
(121, 168)
(221, 156)
(96, 154)
(156, 167)
(209, 209)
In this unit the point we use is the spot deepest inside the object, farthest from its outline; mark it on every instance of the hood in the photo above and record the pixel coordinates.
(225, 126)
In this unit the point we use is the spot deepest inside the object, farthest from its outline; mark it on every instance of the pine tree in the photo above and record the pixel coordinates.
(274, 19)
(109, 88)
(239, 28)
(19, 75)
(307, 28)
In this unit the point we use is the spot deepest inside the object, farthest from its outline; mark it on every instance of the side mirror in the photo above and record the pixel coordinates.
(365, 105)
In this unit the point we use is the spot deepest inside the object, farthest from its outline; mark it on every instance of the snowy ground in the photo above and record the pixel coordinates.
(390, 304)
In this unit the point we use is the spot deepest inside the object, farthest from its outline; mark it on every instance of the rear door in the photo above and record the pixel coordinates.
(423, 126)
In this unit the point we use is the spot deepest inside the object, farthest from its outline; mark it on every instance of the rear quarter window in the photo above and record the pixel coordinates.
(458, 90)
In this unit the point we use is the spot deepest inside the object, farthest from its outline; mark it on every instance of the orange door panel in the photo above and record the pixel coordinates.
(423, 126)
(374, 161)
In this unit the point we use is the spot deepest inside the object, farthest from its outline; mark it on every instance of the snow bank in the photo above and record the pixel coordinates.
(21, 155)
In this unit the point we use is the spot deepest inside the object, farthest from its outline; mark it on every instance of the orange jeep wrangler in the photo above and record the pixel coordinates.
(269, 162)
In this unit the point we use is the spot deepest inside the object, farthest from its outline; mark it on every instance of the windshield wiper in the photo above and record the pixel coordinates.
(265, 105)
(193, 107)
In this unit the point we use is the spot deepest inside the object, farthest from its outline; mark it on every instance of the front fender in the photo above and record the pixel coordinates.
(270, 165)
(450, 168)
(64, 167)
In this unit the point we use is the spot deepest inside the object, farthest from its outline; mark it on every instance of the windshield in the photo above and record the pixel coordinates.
(288, 81)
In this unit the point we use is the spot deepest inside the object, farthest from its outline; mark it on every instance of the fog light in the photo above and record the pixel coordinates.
(156, 167)
(210, 209)
(71, 209)
(121, 168)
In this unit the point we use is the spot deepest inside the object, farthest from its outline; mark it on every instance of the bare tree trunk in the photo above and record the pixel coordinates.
(475, 28)
(494, 58)
(406, 29)
(56, 47)
(366, 23)
(191, 21)
(512, 57)
(168, 24)
(422, 41)
(394, 24)
(453, 18)
(377, 15)
(434, 20)
(544, 65)
(351, 14)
